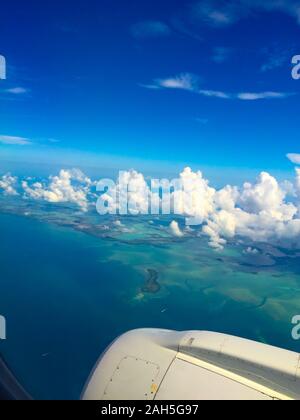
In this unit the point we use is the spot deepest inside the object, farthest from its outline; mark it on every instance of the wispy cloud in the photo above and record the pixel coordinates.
(51, 140)
(17, 91)
(221, 13)
(183, 28)
(184, 81)
(273, 62)
(275, 58)
(221, 54)
(262, 95)
(218, 13)
(14, 141)
(150, 29)
(191, 83)
(294, 158)
(215, 94)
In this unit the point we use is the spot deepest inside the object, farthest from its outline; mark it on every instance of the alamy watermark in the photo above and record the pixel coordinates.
(296, 329)
(2, 328)
(296, 68)
(2, 67)
(132, 195)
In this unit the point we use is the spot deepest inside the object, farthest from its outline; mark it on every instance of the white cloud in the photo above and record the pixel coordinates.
(175, 229)
(68, 187)
(185, 81)
(7, 184)
(17, 141)
(251, 251)
(17, 91)
(150, 86)
(298, 182)
(261, 211)
(215, 94)
(220, 225)
(294, 158)
(265, 195)
(222, 13)
(131, 190)
(150, 29)
(262, 95)
(195, 200)
(191, 83)
(289, 7)
(257, 212)
(218, 13)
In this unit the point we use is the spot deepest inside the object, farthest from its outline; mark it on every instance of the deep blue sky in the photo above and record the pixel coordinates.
(94, 77)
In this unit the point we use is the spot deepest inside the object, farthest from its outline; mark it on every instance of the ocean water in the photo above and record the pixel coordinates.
(67, 294)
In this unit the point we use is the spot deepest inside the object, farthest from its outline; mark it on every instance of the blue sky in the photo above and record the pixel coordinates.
(149, 82)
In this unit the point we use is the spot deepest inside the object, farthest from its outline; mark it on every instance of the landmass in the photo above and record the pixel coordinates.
(151, 285)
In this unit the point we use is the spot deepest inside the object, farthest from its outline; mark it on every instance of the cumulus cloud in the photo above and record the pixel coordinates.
(251, 251)
(68, 187)
(150, 29)
(175, 229)
(118, 223)
(194, 198)
(7, 184)
(191, 83)
(265, 211)
(14, 141)
(131, 194)
(258, 212)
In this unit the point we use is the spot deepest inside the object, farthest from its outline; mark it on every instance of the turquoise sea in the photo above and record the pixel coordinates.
(67, 294)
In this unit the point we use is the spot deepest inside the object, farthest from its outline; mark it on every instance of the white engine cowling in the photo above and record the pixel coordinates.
(166, 365)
